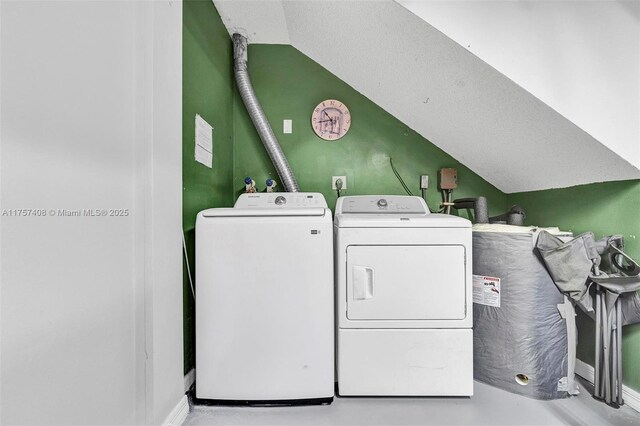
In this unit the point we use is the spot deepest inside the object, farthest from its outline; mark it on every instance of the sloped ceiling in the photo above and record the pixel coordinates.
(437, 87)
(582, 58)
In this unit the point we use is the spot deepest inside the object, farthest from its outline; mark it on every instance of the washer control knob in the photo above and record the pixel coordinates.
(382, 203)
(280, 200)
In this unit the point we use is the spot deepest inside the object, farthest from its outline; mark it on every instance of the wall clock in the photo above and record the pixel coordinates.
(331, 120)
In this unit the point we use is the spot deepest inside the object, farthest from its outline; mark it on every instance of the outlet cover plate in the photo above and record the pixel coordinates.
(424, 182)
(335, 178)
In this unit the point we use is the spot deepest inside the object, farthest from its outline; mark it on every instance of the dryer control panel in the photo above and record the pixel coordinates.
(382, 204)
(282, 200)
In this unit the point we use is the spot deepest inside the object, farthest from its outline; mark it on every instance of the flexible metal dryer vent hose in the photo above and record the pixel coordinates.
(257, 114)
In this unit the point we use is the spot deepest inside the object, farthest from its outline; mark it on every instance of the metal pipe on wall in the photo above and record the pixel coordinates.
(257, 114)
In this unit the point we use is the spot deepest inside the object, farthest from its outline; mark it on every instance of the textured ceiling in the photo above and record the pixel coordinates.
(436, 87)
(582, 58)
(261, 21)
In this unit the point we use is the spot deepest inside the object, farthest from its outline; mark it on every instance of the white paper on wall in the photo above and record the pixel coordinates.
(204, 142)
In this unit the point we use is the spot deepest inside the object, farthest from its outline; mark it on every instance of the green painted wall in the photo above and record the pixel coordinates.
(208, 90)
(289, 85)
(605, 209)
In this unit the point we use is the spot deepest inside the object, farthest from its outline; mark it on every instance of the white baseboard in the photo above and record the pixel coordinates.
(179, 413)
(189, 378)
(631, 397)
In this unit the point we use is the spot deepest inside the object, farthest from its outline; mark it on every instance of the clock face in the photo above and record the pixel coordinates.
(331, 120)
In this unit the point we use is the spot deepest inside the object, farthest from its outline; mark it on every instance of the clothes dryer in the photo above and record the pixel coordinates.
(403, 298)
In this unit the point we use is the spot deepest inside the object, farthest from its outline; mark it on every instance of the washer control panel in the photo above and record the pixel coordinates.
(281, 200)
(382, 204)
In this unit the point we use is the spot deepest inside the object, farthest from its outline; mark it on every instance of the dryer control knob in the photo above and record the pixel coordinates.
(280, 200)
(382, 203)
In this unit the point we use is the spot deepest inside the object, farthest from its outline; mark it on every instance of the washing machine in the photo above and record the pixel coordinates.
(403, 299)
(264, 301)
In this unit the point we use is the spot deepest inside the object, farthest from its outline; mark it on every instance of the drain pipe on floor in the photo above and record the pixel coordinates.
(257, 114)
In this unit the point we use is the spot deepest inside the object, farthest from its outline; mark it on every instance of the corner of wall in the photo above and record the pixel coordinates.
(207, 90)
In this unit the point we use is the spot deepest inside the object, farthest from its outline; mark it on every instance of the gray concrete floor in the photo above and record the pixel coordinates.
(489, 406)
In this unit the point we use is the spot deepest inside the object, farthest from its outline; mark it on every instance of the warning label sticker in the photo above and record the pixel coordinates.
(486, 290)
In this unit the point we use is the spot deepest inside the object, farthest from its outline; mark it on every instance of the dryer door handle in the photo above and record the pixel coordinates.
(362, 282)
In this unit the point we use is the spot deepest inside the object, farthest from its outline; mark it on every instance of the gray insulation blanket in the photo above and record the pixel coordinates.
(569, 263)
(526, 335)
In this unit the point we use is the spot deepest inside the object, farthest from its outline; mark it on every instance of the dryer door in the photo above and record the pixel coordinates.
(425, 282)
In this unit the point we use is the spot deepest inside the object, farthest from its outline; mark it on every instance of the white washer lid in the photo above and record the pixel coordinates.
(269, 212)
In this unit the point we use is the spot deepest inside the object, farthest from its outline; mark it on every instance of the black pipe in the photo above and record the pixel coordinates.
(478, 205)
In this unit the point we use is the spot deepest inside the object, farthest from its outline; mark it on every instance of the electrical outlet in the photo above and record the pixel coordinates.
(424, 182)
(335, 178)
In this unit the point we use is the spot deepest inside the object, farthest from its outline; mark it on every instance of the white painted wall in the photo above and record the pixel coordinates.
(90, 97)
(161, 189)
(582, 58)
